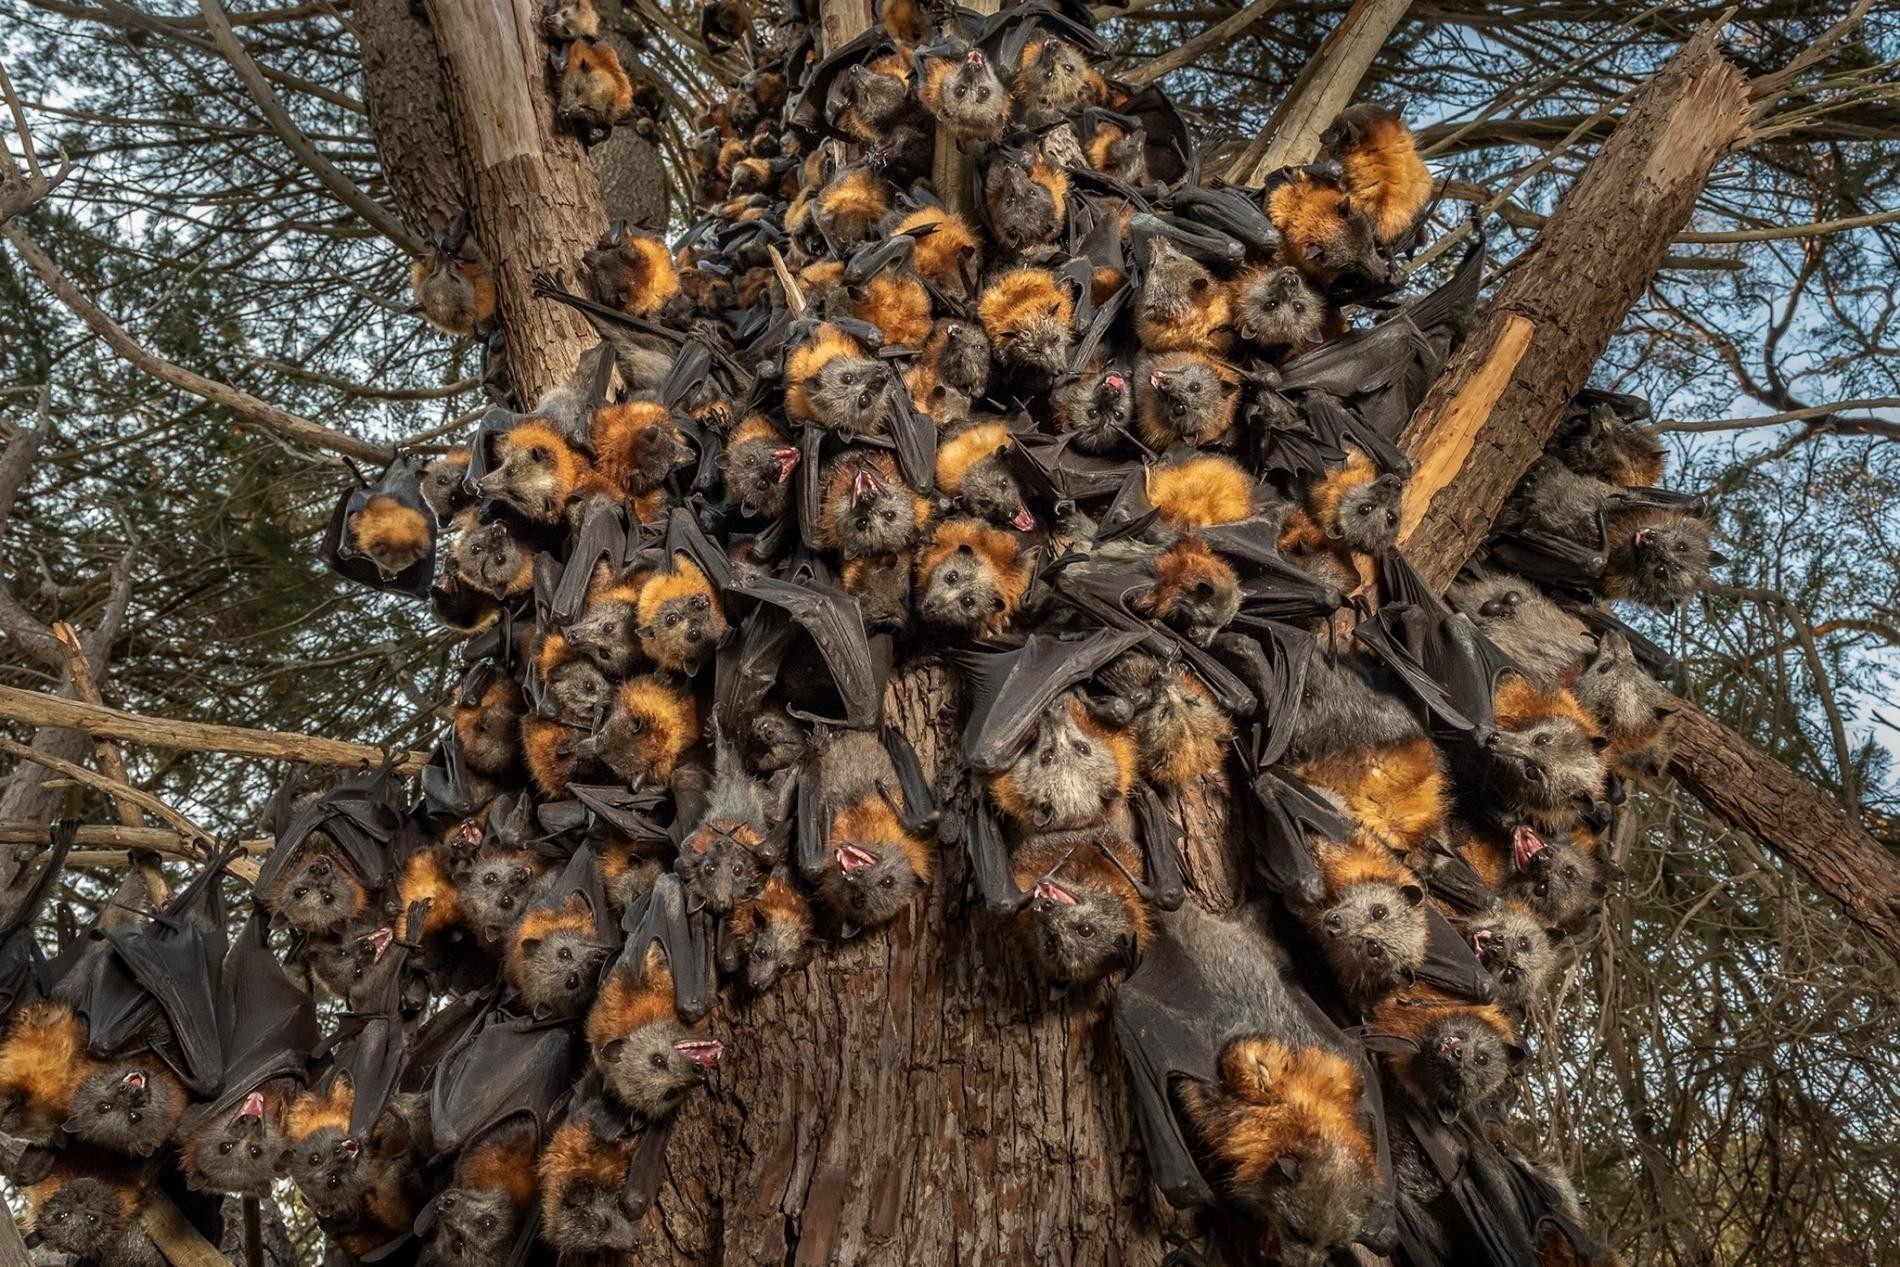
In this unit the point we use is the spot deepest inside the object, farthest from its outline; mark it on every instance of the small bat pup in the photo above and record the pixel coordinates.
(491, 1192)
(1449, 1055)
(582, 1177)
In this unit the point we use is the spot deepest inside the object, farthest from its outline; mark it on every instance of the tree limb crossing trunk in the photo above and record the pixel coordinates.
(1490, 414)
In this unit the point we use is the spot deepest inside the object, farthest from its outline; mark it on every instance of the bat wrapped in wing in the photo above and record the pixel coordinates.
(383, 534)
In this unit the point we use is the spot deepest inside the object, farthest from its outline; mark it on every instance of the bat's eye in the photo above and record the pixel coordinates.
(1483, 1059)
(952, 577)
(564, 954)
(299, 891)
(982, 94)
(225, 1147)
(1542, 741)
(1085, 929)
(1374, 950)
(961, 92)
(672, 618)
(887, 883)
(658, 1059)
(1083, 748)
(1378, 910)
(255, 1152)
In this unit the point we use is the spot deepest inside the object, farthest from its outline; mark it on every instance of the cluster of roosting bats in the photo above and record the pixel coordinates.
(1106, 445)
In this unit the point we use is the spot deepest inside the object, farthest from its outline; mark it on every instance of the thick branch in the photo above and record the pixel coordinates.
(190, 736)
(101, 845)
(1491, 413)
(380, 217)
(247, 406)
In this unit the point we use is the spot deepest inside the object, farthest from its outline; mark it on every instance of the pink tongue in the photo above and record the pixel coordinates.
(379, 940)
(1117, 382)
(854, 859)
(1154, 378)
(136, 1081)
(975, 58)
(253, 1106)
(1023, 520)
(1525, 846)
(787, 463)
(1047, 892)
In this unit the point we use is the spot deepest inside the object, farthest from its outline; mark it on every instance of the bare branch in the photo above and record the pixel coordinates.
(289, 425)
(191, 736)
(100, 783)
(1845, 426)
(1213, 37)
(18, 190)
(384, 220)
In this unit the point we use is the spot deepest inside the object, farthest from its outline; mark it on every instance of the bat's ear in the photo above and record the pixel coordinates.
(1289, 1168)
(1412, 894)
(1557, 936)
(530, 944)
(611, 1052)
(1516, 1053)
(1716, 557)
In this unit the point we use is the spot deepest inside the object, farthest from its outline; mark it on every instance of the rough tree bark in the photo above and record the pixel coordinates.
(423, 158)
(1491, 413)
(533, 196)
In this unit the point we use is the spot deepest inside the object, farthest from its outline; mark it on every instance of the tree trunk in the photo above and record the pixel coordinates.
(533, 197)
(1489, 416)
(422, 158)
(912, 1096)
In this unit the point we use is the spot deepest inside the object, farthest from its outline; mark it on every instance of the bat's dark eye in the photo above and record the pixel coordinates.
(982, 94)
(564, 954)
(1085, 929)
(299, 891)
(1374, 950)
(887, 883)
(1483, 1059)
(889, 516)
(658, 1059)
(672, 618)
(1378, 910)
(255, 1152)
(961, 92)
(1083, 748)
(1542, 741)
(952, 576)
(225, 1147)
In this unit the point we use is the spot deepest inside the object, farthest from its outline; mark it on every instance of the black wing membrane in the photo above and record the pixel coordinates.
(176, 957)
(23, 971)
(836, 626)
(660, 915)
(267, 1024)
(1011, 691)
(506, 1067)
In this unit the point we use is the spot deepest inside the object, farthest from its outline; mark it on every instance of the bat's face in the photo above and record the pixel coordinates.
(558, 974)
(683, 631)
(1058, 78)
(130, 1107)
(1461, 1063)
(1663, 563)
(569, 20)
(869, 882)
(1369, 515)
(1172, 283)
(778, 946)
(658, 450)
(964, 359)
(486, 557)
(1202, 603)
(774, 741)
(962, 593)
(1615, 688)
(1280, 308)
(1352, 249)
(1022, 212)
(882, 590)
(490, 730)
(1179, 713)
(1516, 950)
(1077, 932)
(578, 691)
(1066, 776)
(850, 395)
(990, 493)
(349, 965)
(320, 893)
(590, 1218)
(877, 100)
(332, 1170)
(475, 1228)
(759, 477)
(873, 515)
(1185, 399)
(238, 1152)
(1097, 407)
(629, 881)
(83, 1218)
(499, 887)
(1548, 766)
(652, 1069)
(606, 634)
(973, 99)
(1374, 936)
(1321, 1207)
(1561, 881)
(527, 479)
(442, 485)
(717, 867)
